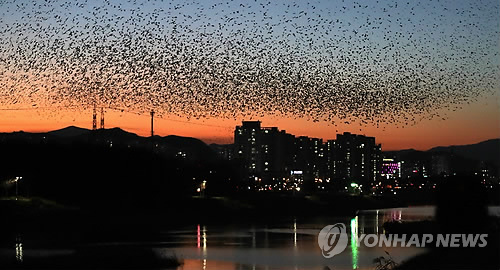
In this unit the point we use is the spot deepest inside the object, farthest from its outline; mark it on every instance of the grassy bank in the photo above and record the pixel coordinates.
(120, 257)
(63, 225)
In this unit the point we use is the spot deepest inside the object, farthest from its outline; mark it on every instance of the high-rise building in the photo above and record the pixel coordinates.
(357, 158)
(247, 144)
(331, 160)
(275, 160)
(308, 158)
(275, 155)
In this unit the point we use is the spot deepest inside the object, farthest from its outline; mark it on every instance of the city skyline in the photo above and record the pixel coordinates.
(461, 128)
(164, 127)
(267, 158)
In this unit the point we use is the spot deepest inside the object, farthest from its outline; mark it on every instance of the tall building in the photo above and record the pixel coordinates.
(308, 158)
(275, 155)
(247, 144)
(331, 160)
(266, 154)
(357, 158)
(275, 160)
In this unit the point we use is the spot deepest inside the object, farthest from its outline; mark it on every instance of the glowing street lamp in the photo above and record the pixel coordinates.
(16, 180)
(203, 187)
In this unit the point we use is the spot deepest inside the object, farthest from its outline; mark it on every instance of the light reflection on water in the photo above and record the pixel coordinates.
(290, 244)
(354, 240)
(19, 249)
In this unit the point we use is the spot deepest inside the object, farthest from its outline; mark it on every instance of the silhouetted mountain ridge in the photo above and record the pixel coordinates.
(171, 145)
(70, 131)
(487, 151)
(86, 167)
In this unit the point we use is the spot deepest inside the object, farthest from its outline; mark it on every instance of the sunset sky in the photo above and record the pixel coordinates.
(474, 123)
(414, 74)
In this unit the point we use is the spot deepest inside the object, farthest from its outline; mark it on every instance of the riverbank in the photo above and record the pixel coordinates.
(117, 257)
(112, 220)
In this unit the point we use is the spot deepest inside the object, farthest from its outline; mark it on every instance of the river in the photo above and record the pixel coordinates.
(290, 243)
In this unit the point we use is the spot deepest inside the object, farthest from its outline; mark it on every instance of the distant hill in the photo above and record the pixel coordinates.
(70, 131)
(488, 151)
(403, 152)
(86, 167)
(169, 146)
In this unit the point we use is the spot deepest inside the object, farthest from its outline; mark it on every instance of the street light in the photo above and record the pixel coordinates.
(15, 181)
(203, 187)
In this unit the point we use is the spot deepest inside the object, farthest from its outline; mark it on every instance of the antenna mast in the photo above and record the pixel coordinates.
(94, 119)
(102, 118)
(152, 118)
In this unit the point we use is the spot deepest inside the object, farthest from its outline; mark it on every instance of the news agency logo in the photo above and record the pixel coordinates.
(332, 239)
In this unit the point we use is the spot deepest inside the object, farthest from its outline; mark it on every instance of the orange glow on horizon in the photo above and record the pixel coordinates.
(474, 123)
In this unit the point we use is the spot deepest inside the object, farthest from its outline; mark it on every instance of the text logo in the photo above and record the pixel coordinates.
(332, 239)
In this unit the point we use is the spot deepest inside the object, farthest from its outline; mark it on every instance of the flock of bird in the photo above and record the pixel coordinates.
(344, 61)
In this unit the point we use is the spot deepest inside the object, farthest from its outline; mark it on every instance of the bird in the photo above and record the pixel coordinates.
(375, 64)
